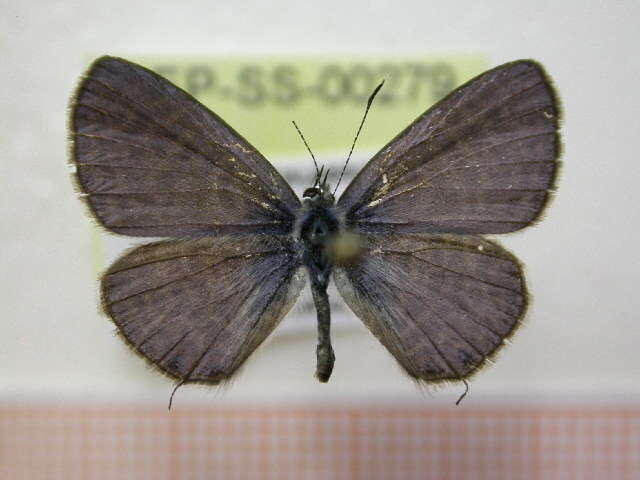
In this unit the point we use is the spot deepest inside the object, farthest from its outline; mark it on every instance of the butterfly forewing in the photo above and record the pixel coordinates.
(480, 161)
(441, 304)
(197, 308)
(153, 161)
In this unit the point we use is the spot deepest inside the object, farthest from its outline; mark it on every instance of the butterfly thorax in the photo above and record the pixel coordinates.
(318, 223)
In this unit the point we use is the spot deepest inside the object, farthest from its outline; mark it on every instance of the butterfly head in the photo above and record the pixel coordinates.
(319, 194)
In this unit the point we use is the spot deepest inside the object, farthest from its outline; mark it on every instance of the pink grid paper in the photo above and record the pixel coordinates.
(296, 442)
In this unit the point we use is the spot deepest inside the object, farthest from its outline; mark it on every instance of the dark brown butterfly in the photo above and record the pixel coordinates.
(402, 243)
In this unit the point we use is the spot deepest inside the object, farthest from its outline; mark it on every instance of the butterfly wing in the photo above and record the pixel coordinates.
(483, 160)
(153, 161)
(441, 304)
(197, 308)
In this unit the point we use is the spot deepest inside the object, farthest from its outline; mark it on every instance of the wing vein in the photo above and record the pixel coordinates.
(263, 205)
(132, 267)
(466, 313)
(115, 140)
(486, 109)
(360, 204)
(480, 150)
(211, 224)
(442, 267)
(407, 222)
(175, 345)
(421, 185)
(268, 303)
(206, 350)
(420, 327)
(133, 167)
(158, 287)
(176, 140)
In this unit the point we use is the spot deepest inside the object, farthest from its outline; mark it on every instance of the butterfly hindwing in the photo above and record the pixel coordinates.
(441, 304)
(483, 160)
(152, 161)
(197, 308)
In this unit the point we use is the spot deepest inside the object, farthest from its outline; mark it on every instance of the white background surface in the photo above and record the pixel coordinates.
(582, 333)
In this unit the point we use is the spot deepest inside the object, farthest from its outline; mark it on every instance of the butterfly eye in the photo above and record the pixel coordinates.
(311, 192)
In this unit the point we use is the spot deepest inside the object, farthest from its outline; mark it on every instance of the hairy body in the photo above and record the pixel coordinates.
(318, 226)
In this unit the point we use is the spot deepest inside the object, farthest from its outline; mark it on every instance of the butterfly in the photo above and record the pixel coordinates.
(403, 242)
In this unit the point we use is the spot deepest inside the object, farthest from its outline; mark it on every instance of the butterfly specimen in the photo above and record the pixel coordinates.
(402, 243)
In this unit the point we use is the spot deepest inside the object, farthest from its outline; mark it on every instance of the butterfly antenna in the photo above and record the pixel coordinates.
(369, 102)
(324, 182)
(466, 390)
(318, 176)
(307, 145)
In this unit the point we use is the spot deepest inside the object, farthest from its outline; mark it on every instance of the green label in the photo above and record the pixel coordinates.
(259, 97)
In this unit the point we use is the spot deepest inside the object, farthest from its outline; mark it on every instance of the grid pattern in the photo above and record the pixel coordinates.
(320, 443)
